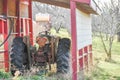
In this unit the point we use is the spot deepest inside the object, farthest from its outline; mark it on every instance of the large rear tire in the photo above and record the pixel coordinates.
(63, 55)
(18, 55)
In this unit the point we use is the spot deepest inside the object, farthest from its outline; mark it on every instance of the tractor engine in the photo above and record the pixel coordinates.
(43, 54)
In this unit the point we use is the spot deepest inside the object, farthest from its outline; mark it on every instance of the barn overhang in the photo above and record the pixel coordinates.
(61, 3)
(87, 6)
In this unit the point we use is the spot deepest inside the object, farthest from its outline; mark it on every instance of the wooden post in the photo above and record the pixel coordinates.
(91, 58)
(86, 57)
(30, 22)
(22, 28)
(81, 59)
(26, 27)
(74, 39)
(6, 56)
(18, 17)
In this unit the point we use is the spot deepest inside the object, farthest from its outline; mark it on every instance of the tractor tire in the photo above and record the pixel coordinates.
(63, 55)
(18, 55)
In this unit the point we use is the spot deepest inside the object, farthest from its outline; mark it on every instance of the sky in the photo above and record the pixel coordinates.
(101, 2)
(104, 0)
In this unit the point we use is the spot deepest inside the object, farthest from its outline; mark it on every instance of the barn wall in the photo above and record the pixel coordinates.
(1, 6)
(83, 29)
(84, 39)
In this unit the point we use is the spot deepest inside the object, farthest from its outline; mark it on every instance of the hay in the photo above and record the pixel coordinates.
(11, 8)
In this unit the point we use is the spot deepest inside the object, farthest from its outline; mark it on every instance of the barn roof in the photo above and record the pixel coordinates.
(61, 3)
(85, 7)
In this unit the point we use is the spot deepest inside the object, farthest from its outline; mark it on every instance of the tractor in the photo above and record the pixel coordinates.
(48, 50)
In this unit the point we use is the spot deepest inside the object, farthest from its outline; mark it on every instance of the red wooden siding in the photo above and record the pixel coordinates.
(81, 59)
(85, 57)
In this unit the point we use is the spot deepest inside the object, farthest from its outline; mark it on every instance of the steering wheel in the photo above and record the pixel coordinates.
(44, 33)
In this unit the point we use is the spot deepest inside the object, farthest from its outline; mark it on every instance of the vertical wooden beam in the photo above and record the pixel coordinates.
(91, 56)
(30, 22)
(74, 39)
(2, 61)
(18, 17)
(81, 59)
(22, 29)
(1, 26)
(2, 21)
(86, 57)
(26, 27)
(6, 56)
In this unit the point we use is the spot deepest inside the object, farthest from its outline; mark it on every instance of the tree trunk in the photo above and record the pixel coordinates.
(108, 52)
(118, 36)
(104, 46)
(57, 29)
(109, 57)
(110, 48)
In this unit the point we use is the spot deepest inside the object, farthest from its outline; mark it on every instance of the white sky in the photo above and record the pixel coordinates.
(101, 2)
(104, 0)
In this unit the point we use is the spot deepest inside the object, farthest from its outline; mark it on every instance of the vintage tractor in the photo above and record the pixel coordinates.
(50, 50)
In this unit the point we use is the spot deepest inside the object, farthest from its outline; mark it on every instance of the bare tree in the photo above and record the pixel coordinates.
(60, 17)
(108, 23)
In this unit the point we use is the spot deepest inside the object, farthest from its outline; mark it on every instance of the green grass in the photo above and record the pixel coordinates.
(62, 33)
(4, 75)
(34, 77)
(98, 47)
(103, 70)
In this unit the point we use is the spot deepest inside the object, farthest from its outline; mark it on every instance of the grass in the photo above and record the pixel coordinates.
(62, 33)
(34, 77)
(103, 70)
(4, 75)
(98, 47)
